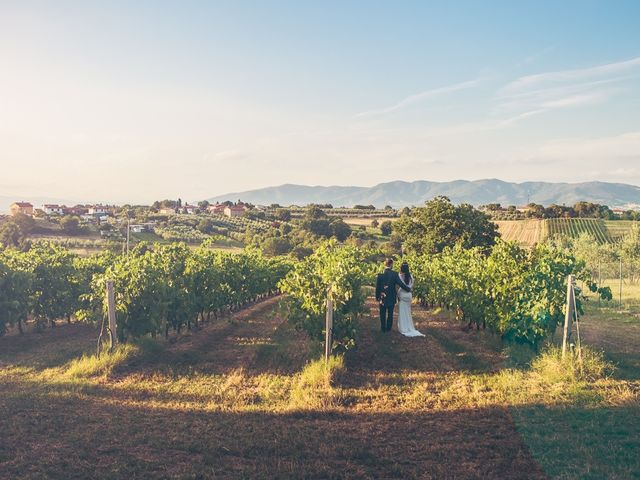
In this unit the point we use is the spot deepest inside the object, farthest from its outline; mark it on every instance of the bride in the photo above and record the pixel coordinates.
(405, 322)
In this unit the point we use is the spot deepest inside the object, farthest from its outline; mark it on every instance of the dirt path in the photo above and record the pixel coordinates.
(463, 443)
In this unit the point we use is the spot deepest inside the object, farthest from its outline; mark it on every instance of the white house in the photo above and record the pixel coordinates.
(52, 209)
(99, 210)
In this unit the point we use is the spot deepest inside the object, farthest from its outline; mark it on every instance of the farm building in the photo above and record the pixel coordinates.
(218, 208)
(99, 210)
(235, 211)
(77, 210)
(21, 207)
(167, 211)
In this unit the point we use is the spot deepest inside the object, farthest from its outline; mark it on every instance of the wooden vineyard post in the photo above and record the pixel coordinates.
(111, 307)
(620, 291)
(568, 318)
(328, 341)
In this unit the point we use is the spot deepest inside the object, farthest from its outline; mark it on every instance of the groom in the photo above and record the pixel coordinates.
(386, 293)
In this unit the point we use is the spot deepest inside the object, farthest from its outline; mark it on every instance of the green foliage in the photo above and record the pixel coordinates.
(158, 287)
(274, 246)
(15, 287)
(54, 289)
(11, 235)
(440, 224)
(163, 287)
(518, 293)
(335, 271)
(386, 227)
(70, 225)
(283, 214)
(340, 230)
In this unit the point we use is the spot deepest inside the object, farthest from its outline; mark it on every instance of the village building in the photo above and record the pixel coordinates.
(98, 210)
(77, 210)
(618, 212)
(142, 227)
(524, 209)
(191, 209)
(25, 208)
(217, 209)
(53, 209)
(234, 211)
(167, 211)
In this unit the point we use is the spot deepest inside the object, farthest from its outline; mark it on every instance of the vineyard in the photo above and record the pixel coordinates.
(213, 365)
(529, 232)
(573, 227)
(618, 229)
(158, 287)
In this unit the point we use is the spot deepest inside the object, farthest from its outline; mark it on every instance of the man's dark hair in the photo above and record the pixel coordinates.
(388, 262)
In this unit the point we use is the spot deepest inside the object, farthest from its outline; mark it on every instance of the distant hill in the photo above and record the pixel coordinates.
(478, 192)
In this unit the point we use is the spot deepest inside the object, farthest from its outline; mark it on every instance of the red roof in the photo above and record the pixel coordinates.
(23, 204)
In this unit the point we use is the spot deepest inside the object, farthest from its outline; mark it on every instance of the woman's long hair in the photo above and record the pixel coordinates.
(406, 274)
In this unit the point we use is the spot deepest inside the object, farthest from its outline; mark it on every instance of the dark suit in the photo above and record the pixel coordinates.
(387, 297)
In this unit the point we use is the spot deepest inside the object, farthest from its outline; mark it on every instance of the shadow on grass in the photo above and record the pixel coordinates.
(618, 334)
(52, 347)
(580, 442)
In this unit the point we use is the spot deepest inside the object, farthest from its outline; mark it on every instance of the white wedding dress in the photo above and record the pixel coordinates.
(405, 322)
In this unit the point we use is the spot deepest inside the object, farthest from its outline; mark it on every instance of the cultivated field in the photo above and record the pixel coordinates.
(525, 232)
(366, 221)
(237, 399)
(528, 232)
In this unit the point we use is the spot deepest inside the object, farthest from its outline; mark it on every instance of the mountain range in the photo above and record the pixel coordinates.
(477, 192)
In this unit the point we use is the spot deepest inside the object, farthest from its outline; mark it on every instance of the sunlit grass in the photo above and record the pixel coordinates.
(93, 365)
(314, 386)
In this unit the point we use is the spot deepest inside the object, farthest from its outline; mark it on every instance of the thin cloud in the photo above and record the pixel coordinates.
(574, 75)
(420, 97)
(544, 92)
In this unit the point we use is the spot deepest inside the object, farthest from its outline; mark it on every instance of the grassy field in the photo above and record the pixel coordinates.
(238, 399)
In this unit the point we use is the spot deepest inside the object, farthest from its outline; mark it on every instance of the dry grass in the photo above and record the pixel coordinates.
(525, 232)
(366, 221)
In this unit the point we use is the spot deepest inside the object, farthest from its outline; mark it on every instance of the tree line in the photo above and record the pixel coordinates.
(578, 210)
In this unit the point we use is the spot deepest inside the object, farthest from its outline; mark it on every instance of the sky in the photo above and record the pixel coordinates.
(125, 101)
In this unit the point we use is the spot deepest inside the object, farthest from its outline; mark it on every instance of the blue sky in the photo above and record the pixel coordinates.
(132, 101)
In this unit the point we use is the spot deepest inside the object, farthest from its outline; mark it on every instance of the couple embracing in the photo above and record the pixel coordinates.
(392, 288)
